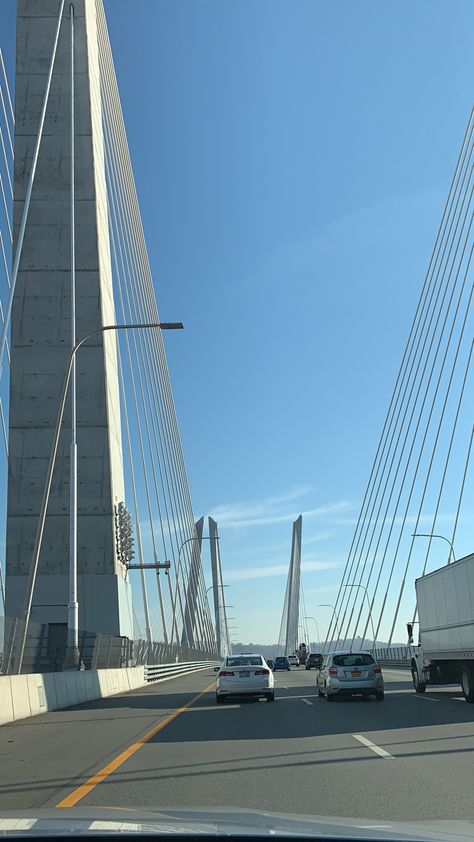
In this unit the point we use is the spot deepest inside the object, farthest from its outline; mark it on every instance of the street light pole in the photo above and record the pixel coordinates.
(49, 476)
(432, 535)
(370, 609)
(183, 544)
(317, 626)
(334, 614)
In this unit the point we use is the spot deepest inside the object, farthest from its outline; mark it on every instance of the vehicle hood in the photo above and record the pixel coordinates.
(221, 822)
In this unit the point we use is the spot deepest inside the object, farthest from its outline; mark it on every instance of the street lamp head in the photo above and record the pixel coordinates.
(171, 326)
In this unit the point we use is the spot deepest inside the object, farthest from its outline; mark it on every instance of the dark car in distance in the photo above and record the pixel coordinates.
(270, 662)
(281, 663)
(314, 661)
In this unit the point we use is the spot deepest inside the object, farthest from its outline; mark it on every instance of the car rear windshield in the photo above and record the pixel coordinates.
(244, 662)
(353, 660)
(281, 660)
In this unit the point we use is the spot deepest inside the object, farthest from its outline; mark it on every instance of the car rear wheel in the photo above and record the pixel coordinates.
(320, 693)
(219, 699)
(271, 697)
(380, 696)
(329, 696)
(288, 669)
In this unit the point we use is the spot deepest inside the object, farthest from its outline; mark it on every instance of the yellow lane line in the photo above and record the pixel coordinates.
(83, 790)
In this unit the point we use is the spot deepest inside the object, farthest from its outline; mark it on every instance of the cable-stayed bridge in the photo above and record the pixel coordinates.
(95, 491)
(99, 512)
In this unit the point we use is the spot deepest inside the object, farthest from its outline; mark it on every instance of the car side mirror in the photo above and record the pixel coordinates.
(410, 633)
(216, 669)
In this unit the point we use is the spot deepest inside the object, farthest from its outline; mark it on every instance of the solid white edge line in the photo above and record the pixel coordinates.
(380, 751)
(307, 701)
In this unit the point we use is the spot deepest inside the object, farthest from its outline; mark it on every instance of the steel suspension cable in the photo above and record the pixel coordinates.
(446, 254)
(430, 413)
(406, 356)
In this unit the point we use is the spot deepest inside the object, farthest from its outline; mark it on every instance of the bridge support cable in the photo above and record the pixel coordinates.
(417, 395)
(410, 353)
(438, 271)
(135, 374)
(175, 530)
(431, 461)
(5, 99)
(149, 361)
(386, 517)
(7, 89)
(124, 277)
(461, 493)
(452, 264)
(432, 528)
(135, 369)
(431, 409)
(115, 133)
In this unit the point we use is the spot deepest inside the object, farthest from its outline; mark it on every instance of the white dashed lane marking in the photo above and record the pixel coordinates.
(376, 749)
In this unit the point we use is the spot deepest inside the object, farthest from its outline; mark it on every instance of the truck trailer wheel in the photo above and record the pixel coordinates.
(467, 684)
(420, 686)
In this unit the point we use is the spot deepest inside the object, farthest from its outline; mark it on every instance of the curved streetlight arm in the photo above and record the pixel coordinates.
(432, 535)
(334, 614)
(317, 626)
(49, 476)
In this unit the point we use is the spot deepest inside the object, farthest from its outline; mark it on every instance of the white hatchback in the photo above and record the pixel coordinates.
(245, 675)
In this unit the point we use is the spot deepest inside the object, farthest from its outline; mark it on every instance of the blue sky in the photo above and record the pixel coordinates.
(292, 161)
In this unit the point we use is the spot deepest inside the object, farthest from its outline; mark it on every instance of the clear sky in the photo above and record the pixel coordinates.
(292, 160)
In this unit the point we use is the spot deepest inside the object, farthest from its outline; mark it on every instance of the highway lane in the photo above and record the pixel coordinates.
(409, 757)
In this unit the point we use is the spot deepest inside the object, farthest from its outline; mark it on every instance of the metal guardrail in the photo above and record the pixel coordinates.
(159, 672)
(394, 656)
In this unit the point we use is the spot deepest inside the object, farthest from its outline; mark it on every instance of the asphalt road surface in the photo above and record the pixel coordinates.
(170, 745)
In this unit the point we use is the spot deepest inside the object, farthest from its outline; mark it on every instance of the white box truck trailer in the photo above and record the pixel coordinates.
(445, 650)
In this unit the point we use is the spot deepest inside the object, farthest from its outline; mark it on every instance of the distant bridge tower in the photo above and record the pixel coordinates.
(222, 631)
(291, 608)
(41, 333)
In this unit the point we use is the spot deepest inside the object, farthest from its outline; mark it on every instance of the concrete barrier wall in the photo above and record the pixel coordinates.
(30, 695)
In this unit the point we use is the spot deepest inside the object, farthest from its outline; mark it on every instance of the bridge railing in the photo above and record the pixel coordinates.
(160, 672)
(397, 656)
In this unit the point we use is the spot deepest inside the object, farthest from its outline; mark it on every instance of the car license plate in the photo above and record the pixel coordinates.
(356, 674)
(244, 674)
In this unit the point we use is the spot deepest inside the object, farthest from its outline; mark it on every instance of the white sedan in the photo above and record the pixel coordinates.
(294, 661)
(244, 675)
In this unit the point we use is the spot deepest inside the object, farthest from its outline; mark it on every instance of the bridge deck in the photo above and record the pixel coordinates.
(298, 755)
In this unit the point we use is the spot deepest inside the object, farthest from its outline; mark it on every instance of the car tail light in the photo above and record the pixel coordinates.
(224, 672)
(377, 668)
(332, 670)
(262, 672)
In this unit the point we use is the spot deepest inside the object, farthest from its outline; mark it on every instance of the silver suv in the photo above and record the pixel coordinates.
(350, 674)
